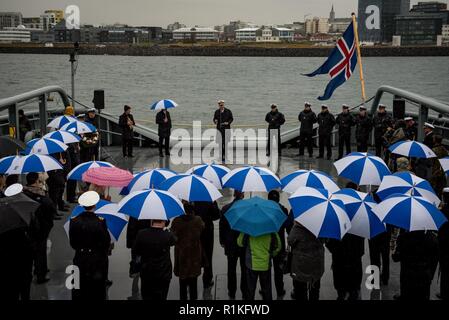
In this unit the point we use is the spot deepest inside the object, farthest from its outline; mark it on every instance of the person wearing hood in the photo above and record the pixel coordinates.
(275, 120)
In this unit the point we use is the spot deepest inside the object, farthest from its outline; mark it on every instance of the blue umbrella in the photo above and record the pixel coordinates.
(362, 168)
(320, 212)
(190, 187)
(149, 179)
(45, 146)
(79, 127)
(251, 179)
(255, 216)
(63, 136)
(6, 163)
(212, 172)
(359, 206)
(115, 221)
(60, 121)
(163, 104)
(33, 163)
(308, 178)
(407, 183)
(412, 149)
(77, 172)
(410, 213)
(151, 204)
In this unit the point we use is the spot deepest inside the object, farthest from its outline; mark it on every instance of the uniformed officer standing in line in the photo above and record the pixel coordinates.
(411, 131)
(90, 239)
(275, 120)
(381, 122)
(307, 118)
(223, 119)
(344, 121)
(363, 129)
(326, 122)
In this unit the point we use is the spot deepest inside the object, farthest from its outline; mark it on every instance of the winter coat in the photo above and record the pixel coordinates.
(307, 119)
(123, 123)
(259, 250)
(222, 117)
(344, 121)
(381, 122)
(227, 236)
(163, 129)
(275, 120)
(363, 128)
(326, 122)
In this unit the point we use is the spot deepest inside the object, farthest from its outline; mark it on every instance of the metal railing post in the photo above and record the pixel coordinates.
(43, 117)
(14, 126)
(422, 118)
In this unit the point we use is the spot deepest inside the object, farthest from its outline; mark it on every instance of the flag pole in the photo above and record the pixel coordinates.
(359, 56)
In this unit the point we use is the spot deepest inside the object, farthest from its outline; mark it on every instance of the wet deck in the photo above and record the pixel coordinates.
(60, 253)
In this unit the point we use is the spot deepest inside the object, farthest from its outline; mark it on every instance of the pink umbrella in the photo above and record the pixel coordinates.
(108, 177)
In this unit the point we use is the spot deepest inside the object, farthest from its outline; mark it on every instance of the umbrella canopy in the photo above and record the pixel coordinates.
(359, 206)
(108, 176)
(407, 183)
(362, 168)
(308, 178)
(79, 127)
(445, 164)
(60, 121)
(151, 204)
(7, 162)
(33, 163)
(412, 149)
(45, 146)
(149, 179)
(212, 172)
(320, 212)
(410, 213)
(16, 212)
(163, 104)
(63, 136)
(77, 172)
(115, 221)
(255, 216)
(251, 179)
(191, 188)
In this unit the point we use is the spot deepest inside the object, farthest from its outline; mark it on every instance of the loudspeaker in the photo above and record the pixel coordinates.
(98, 100)
(398, 108)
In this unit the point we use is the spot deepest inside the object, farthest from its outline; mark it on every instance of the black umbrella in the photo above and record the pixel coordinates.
(16, 212)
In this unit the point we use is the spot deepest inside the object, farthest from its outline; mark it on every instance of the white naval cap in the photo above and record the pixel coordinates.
(13, 189)
(381, 105)
(362, 107)
(307, 103)
(89, 199)
(408, 118)
(446, 190)
(91, 110)
(429, 125)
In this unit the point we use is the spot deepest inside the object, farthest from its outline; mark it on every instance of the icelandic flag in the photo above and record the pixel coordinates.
(341, 63)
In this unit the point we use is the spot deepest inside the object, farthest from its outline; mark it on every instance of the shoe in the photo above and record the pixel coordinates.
(292, 295)
(397, 296)
(281, 294)
(42, 281)
(438, 295)
(109, 283)
(231, 296)
(320, 157)
(384, 282)
(167, 153)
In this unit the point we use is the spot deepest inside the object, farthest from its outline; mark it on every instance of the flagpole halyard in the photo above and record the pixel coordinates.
(359, 56)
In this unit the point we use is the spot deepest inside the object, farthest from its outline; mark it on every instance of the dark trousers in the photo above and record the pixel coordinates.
(305, 291)
(305, 140)
(127, 145)
(271, 134)
(189, 284)
(278, 262)
(40, 259)
(379, 144)
(15, 284)
(362, 145)
(265, 283)
(207, 241)
(325, 142)
(71, 190)
(153, 288)
(56, 193)
(379, 252)
(344, 140)
(221, 139)
(232, 276)
(164, 141)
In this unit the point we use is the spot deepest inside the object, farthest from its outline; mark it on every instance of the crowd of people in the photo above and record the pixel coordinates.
(294, 250)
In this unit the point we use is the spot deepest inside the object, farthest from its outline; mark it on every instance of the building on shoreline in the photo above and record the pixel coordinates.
(58, 14)
(10, 19)
(196, 34)
(317, 25)
(15, 34)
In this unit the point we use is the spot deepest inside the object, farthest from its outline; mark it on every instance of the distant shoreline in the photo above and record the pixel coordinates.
(227, 50)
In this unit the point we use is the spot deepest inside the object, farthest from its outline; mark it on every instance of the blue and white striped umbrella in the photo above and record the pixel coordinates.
(407, 183)
(251, 179)
(115, 221)
(7, 162)
(163, 104)
(149, 179)
(60, 121)
(63, 136)
(45, 146)
(79, 127)
(445, 164)
(410, 213)
(320, 212)
(412, 149)
(151, 204)
(77, 172)
(212, 172)
(359, 206)
(190, 187)
(33, 163)
(362, 168)
(308, 178)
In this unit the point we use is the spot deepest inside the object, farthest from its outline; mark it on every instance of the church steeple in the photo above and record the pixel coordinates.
(332, 14)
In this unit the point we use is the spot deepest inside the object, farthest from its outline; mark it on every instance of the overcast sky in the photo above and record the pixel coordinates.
(189, 12)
